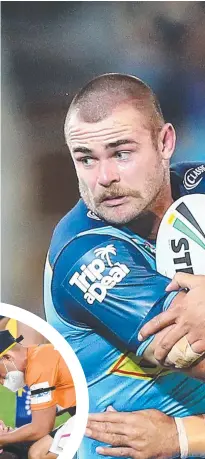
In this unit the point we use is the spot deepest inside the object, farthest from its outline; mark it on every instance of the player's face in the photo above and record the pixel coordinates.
(9, 363)
(120, 170)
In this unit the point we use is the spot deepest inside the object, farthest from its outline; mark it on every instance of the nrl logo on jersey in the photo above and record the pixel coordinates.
(102, 274)
(192, 177)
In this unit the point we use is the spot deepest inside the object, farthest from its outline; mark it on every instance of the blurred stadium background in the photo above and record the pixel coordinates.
(51, 49)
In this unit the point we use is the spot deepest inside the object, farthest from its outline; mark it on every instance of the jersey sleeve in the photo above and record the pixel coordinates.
(108, 285)
(41, 378)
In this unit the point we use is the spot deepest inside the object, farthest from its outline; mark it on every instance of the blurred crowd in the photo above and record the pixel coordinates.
(50, 50)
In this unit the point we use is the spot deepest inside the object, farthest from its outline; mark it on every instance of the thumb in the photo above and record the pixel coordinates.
(184, 280)
(173, 285)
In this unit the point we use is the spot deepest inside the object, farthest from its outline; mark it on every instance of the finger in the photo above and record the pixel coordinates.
(109, 438)
(156, 324)
(114, 452)
(197, 346)
(194, 336)
(164, 346)
(109, 427)
(172, 286)
(110, 416)
(184, 280)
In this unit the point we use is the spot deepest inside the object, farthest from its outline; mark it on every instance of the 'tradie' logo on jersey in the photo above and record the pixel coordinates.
(93, 281)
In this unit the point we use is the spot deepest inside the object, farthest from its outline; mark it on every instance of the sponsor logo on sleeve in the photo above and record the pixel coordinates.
(43, 397)
(193, 177)
(99, 276)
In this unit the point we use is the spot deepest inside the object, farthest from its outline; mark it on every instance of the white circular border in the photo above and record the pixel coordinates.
(82, 402)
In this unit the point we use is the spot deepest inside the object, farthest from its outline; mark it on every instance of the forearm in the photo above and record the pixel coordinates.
(29, 432)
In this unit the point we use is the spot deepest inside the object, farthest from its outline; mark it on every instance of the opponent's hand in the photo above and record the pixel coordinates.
(186, 317)
(139, 435)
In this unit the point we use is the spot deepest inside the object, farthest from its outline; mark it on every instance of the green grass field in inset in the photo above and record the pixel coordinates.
(8, 409)
(7, 406)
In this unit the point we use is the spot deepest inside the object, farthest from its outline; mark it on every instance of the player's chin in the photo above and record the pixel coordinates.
(116, 215)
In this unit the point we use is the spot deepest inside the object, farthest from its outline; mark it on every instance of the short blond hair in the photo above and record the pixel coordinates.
(96, 100)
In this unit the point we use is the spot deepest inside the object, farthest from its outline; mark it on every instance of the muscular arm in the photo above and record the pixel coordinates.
(42, 423)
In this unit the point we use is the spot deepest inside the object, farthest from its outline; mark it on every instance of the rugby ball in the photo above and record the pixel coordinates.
(180, 244)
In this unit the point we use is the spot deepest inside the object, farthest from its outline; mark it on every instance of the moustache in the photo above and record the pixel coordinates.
(111, 194)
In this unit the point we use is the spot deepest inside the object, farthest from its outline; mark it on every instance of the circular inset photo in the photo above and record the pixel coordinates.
(43, 391)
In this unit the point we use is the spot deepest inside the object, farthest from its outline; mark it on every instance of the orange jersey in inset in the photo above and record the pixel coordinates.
(47, 369)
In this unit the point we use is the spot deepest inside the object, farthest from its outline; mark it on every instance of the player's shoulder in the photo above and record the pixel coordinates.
(77, 221)
(187, 178)
(81, 230)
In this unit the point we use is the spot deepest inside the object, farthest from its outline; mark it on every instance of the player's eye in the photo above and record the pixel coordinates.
(122, 155)
(86, 160)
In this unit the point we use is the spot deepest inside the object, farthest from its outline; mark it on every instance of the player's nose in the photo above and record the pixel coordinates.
(108, 173)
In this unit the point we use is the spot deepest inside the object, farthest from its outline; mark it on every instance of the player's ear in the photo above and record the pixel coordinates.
(167, 141)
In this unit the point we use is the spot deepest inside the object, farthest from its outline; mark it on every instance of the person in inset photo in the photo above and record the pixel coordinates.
(44, 371)
(30, 337)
